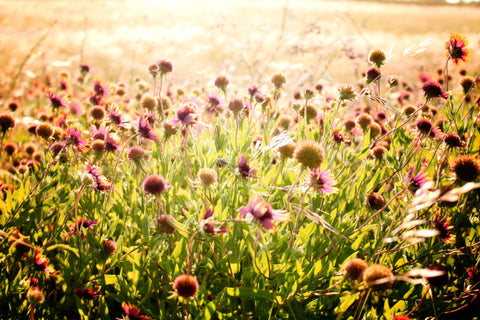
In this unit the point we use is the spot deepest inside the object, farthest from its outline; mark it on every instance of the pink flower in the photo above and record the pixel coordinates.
(101, 183)
(244, 169)
(57, 100)
(144, 129)
(323, 181)
(81, 223)
(118, 118)
(263, 212)
(73, 138)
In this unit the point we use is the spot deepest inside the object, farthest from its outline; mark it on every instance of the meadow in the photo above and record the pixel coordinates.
(239, 160)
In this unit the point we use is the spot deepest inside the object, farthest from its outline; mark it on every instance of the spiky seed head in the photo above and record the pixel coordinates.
(148, 102)
(466, 168)
(377, 57)
(287, 150)
(309, 154)
(97, 113)
(378, 277)
(354, 268)
(208, 176)
(185, 286)
(375, 201)
(278, 80)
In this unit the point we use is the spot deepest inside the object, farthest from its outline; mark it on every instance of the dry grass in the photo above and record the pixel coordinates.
(244, 39)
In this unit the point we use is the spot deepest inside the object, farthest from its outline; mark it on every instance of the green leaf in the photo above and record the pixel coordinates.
(250, 293)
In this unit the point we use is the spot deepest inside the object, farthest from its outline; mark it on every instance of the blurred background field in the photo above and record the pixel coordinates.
(310, 41)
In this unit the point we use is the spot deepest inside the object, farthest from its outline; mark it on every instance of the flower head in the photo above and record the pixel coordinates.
(164, 66)
(155, 184)
(82, 223)
(208, 176)
(101, 183)
(186, 113)
(7, 122)
(57, 100)
(144, 129)
(323, 181)
(433, 89)
(416, 181)
(133, 313)
(41, 262)
(186, 286)
(309, 154)
(457, 48)
(346, 92)
(377, 57)
(444, 228)
(466, 168)
(378, 277)
(86, 293)
(118, 118)
(244, 169)
(354, 268)
(263, 212)
(425, 127)
(73, 138)
(453, 140)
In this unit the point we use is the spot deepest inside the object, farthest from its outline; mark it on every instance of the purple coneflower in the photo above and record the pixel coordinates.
(433, 89)
(323, 181)
(416, 181)
(444, 228)
(263, 212)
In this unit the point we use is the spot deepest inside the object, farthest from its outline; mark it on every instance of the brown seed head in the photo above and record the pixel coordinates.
(354, 268)
(186, 286)
(466, 168)
(378, 277)
(309, 154)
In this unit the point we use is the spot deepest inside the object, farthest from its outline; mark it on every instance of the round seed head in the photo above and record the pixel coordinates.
(44, 130)
(10, 148)
(278, 80)
(222, 82)
(7, 122)
(154, 184)
(97, 112)
(466, 168)
(148, 102)
(208, 176)
(164, 223)
(377, 57)
(135, 153)
(354, 268)
(287, 150)
(375, 201)
(309, 154)
(185, 286)
(364, 120)
(236, 105)
(378, 277)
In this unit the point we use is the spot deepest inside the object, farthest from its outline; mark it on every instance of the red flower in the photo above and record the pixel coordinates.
(457, 48)
(86, 293)
(133, 313)
(73, 137)
(263, 212)
(41, 262)
(101, 183)
(244, 169)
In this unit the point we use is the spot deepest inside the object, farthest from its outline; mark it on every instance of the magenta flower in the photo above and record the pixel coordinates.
(118, 118)
(144, 129)
(323, 181)
(215, 103)
(416, 181)
(112, 143)
(433, 89)
(82, 223)
(101, 183)
(244, 169)
(73, 138)
(99, 133)
(263, 212)
(186, 114)
(57, 100)
(41, 262)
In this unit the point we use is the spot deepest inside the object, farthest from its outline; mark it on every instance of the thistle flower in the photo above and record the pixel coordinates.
(244, 169)
(377, 57)
(354, 268)
(73, 138)
(222, 82)
(135, 153)
(7, 122)
(372, 74)
(155, 184)
(164, 66)
(378, 277)
(144, 129)
(323, 181)
(457, 48)
(132, 312)
(433, 89)
(101, 183)
(309, 154)
(426, 128)
(186, 286)
(263, 212)
(466, 168)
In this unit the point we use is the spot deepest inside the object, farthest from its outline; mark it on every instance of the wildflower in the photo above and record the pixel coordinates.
(100, 90)
(82, 223)
(373, 74)
(287, 150)
(263, 212)
(41, 262)
(164, 223)
(453, 140)
(253, 90)
(109, 247)
(467, 83)
(278, 80)
(378, 277)
(466, 168)
(133, 313)
(155, 184)
(244, 169)
(56, 147)
(10, 148)
(346, 92)
(210, 229)
(35, 295)
(377, 57)
(424, 77)
(148, 102)
(323, 181)
(144, 129)
(375, 201)
(170, 127)
(30, 147)
(118, 118)
(457, 48)
(99, 133)
(236, 105)
(164, 66)
(86, 293)
(153, 70)
(426, 128)
(73, 138)
(101, 183)
(208, 213)
(186, 113)
(84, 69)
(186, 286)
(418, 181)
(57, 100)
(309, 154)
(112, 142)
(433, 89)
(400, 317)
(284, 122)
(309, 111)
(7, 122)
(208, 176)
(13, 105)
(375, 129)
(444, 228)
(354, 268)
(97, 112)
(438, 280)
(215, 104)
(44, 130)
(222, 82)
(473, 275)
(135, 153)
